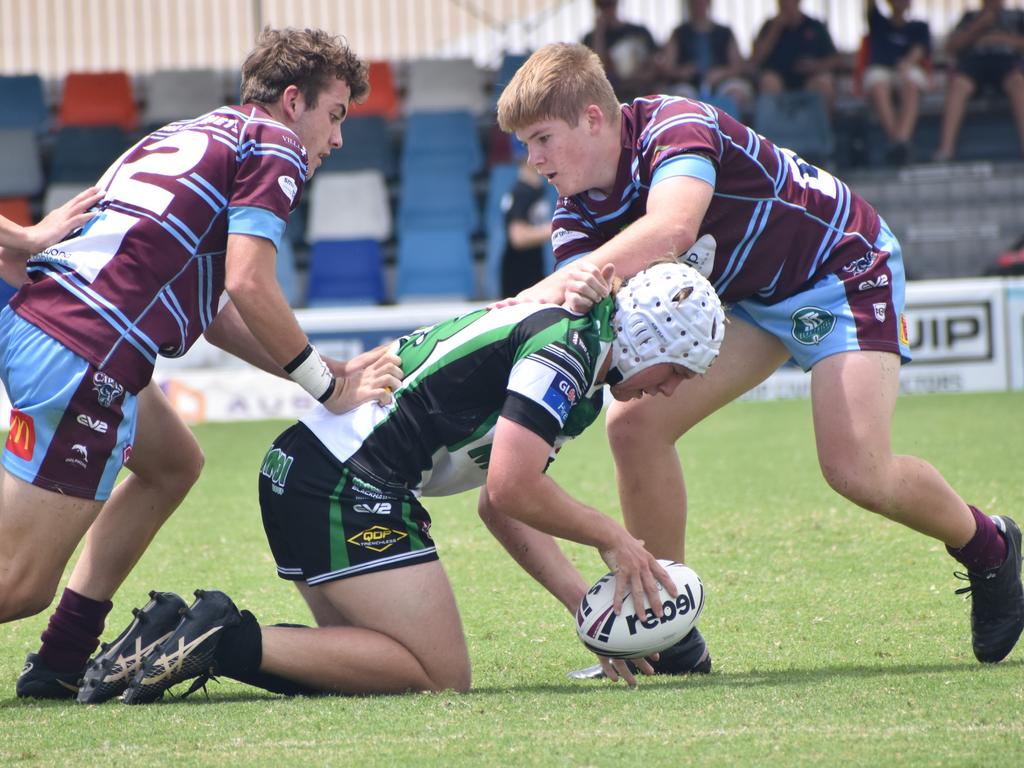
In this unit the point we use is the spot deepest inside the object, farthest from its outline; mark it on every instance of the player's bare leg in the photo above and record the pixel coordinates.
(853, 396)
(165, 463)
(853, 399)
(405, 634)
(643, 435)
(958, 92)
(39, 531)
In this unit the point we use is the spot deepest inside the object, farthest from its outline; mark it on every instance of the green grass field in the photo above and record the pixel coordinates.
(836, 636)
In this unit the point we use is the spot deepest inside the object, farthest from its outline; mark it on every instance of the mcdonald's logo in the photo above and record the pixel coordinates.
(21, 440)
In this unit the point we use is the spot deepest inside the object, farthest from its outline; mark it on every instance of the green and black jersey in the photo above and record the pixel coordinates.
(534, 364)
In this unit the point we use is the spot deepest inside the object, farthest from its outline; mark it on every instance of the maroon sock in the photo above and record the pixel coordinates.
(986, 549)
(73, 632)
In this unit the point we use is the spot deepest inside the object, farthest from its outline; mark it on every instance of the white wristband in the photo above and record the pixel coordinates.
(310, 372)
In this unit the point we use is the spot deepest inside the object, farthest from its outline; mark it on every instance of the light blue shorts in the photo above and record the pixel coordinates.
(858, 307)
(72, 426)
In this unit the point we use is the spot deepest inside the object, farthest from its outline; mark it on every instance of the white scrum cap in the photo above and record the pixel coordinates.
(669, 313)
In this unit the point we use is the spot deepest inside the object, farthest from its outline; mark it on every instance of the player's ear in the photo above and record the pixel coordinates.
(594, 117)
(292, 102)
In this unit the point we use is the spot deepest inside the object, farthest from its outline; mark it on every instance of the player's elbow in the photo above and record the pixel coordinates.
(508, 495)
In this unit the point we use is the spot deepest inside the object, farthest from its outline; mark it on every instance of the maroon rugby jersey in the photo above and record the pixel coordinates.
(779, 223)
(145, 275)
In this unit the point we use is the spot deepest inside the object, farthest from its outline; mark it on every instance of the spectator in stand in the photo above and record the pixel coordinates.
(627, 51)
(898, 52)
(528, 211)
(794, 52)
(701, 59)
(988, 46)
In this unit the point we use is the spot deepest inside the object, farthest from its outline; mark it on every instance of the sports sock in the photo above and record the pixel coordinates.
(73, 632)
(239, 655)
(985, 550)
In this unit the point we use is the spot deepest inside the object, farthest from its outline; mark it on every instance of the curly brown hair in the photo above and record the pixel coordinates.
(309, 59)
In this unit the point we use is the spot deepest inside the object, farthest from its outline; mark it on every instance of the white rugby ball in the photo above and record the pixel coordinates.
(629, 635)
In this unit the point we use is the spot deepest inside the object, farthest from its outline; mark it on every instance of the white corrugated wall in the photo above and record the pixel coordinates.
(52, 37)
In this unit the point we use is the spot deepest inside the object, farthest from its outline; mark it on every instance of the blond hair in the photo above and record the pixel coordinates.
(309, 59)
(558, 81)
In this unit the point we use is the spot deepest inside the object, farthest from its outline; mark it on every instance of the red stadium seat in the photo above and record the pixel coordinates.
(17, 210)
(383, 99)
(98, 98)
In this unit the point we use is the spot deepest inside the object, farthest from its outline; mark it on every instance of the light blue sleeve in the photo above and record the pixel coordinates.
(697, 166)
(259, 222)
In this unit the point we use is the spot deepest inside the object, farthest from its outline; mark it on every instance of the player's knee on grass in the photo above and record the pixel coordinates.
(22, 597)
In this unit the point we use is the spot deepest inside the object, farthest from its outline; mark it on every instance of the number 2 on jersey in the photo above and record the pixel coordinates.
(188, 148)
(809, 176)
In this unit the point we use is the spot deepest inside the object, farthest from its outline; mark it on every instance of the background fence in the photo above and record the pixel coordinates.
(52, 37)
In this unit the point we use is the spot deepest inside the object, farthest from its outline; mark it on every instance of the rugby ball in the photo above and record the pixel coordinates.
(630, 634)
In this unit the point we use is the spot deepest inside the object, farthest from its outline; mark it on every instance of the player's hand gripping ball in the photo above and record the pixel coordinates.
(629, 635)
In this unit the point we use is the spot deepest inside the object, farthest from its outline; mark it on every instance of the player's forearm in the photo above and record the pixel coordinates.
(14, 236)
(542, 504)
(645, 241)
(229, 332)
(536, 553)
(12, 266)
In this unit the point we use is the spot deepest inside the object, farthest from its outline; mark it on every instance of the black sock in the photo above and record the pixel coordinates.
(240, 653)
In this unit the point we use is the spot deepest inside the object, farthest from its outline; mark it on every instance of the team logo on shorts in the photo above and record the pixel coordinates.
(880, 311)
(21, 440)
(79, 456)
(378, 538)
(275, 468)
(861, 265)
(812, 324)
(107, 389)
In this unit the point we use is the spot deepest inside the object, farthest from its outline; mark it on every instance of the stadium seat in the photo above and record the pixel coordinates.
(181, 94)
(345, 272)
(439, 85)
(510, 64)
(21, 168)
(366, 144)
(348, 206)
(383, 100)
(17, 210)
(24, 103)
(82, 153)
(437, 201)
(442, 141)
(797, 121)
(60, 192)
(434, 264)
(98, 98)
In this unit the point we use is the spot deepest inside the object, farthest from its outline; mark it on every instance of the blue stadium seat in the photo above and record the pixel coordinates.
(82, 153)
(442, 140)
(21, 168)
(24, 103)
(345, 272)
(797, 121)
(510, 63)
(434, 264)
(437, 201)
(366, 145)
